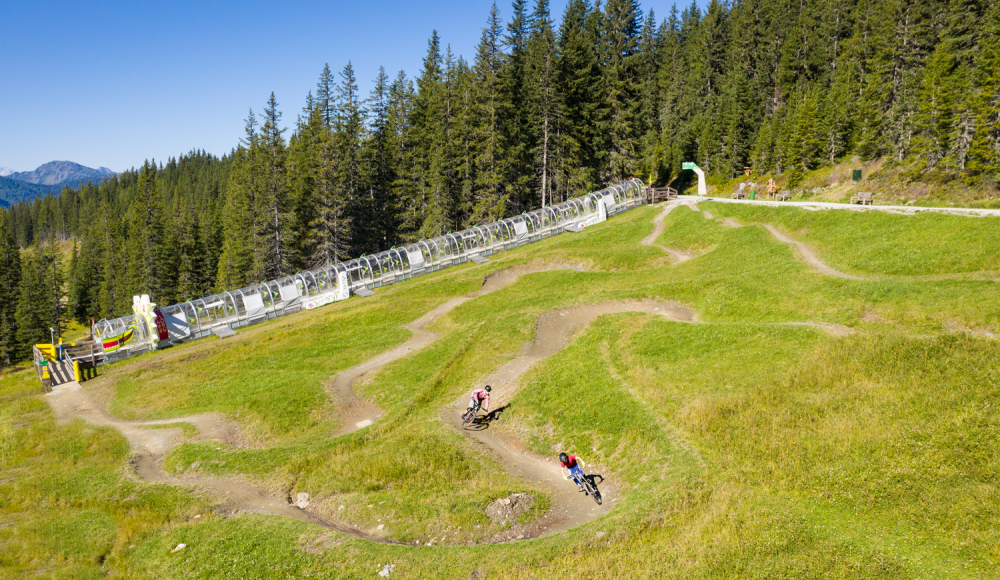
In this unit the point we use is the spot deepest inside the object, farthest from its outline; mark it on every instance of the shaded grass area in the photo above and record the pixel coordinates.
(874, 242)
(741, 447)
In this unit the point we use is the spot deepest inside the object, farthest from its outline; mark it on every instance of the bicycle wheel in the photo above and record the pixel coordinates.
(469, 418)
(592, 490)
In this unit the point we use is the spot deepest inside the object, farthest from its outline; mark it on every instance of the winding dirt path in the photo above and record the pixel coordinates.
(553, 332)
(805, 251)
(650, 240)
(150, 441)
(809, 256)
(358, 413)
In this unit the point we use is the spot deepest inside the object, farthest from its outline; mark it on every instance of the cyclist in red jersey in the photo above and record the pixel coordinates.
(570, 465)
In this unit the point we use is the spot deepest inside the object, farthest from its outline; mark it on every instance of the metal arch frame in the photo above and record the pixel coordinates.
(511, 232)
(436, 252)
(403, 264)
(272, 300)
(371, 270)
(236, 310)
(207, 310)
(619, 193)
(456, 249)
(493, 236)
(244, 292)
(323, 281)
(336, 269)
(374, 263)
(242, 304)
(554, 216)
(535, 218)
(355, 273)
(341, 268)
(204, 310)
(455, 244)
(385, 263)
(427, 254)
(194, 312)
(471, 240)
(579, 208)
(302, 285)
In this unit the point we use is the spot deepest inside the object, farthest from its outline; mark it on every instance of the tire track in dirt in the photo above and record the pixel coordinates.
(805, 251)
(554, 330)
(650, 240)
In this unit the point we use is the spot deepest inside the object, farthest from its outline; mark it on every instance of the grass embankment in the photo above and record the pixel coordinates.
(891, 184)
(743, 448)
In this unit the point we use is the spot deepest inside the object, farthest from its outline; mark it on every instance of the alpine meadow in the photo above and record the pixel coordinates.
(259, 363)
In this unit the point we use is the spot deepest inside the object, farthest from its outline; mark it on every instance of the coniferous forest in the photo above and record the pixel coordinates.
(548, 107)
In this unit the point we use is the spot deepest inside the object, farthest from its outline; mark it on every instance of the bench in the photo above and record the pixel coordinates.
(739, 195)
(783, 195)
(863, 197)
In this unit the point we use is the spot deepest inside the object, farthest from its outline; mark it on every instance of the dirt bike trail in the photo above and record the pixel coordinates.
(554, 331)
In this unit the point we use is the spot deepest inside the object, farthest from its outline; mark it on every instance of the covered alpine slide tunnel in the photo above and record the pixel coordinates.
(149, 328)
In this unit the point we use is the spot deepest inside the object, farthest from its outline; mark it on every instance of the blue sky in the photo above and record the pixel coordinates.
(113, 83)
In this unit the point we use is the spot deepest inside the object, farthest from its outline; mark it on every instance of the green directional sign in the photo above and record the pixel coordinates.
(688, 165)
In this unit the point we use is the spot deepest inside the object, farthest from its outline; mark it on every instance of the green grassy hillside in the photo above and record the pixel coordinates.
(743, 445)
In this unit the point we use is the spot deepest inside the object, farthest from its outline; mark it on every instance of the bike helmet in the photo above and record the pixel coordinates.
(563, 458)
(488, 389)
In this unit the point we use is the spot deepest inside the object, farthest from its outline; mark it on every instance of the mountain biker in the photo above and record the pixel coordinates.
(480, 396)
(570, 465)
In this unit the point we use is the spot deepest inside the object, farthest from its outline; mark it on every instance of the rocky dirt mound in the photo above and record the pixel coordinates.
(508, 509)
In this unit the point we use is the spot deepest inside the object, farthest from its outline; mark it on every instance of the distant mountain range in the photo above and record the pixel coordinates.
(48, 178)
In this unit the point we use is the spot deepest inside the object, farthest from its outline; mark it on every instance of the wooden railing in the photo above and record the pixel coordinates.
(658, 194)
(90, 354)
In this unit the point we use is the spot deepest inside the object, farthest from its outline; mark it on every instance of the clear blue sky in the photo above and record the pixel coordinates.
(113, 83)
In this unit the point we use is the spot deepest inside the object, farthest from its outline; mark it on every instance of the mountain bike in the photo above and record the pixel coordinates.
(590, 488)
(469, 417)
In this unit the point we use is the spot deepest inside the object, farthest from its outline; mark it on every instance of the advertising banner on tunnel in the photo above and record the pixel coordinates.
(598, 217)
(342, 292)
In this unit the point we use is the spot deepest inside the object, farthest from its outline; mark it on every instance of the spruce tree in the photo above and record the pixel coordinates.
(274, 257)
(10, 284)
(330, 230)
(517, 137)
(984, 151)
(381, 156)
(348, 137)
(145, 267)
(241, 220)
(326, 98)
(544, 102)
(578, 138)
(491, 197)
(40, 298)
